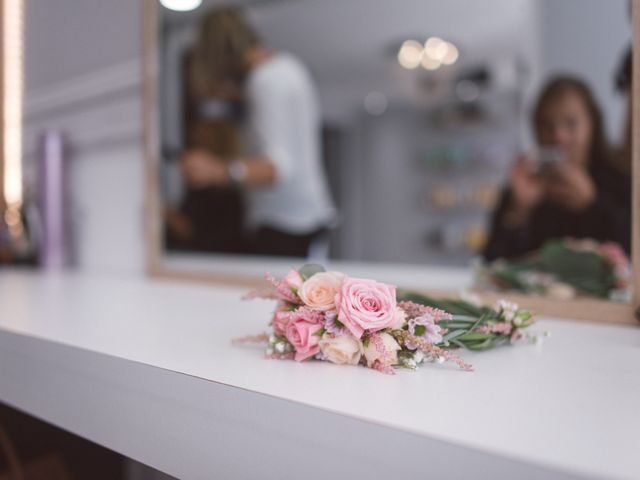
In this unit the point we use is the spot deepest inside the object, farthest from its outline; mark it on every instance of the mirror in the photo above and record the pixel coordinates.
(402, 134)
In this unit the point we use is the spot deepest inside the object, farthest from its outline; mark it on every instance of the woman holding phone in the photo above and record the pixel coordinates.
(570, 189)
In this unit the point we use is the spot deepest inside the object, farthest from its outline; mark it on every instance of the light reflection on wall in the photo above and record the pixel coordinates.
(12, 95)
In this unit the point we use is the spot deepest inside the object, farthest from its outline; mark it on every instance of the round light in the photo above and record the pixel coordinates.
(375, 103)
(410, 54)
(452, 54)
(436, 48)
(181, 5)
(429, 63)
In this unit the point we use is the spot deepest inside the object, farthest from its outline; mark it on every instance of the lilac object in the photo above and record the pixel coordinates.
(52, 177)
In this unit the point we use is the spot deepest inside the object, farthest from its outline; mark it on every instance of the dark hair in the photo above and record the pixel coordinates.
(562, 85)
(218, 55)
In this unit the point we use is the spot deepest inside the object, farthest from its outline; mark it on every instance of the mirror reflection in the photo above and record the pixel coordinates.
(494, 134)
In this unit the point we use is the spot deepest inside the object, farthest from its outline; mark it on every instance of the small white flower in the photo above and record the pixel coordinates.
(409, 363)
(418, 356)
(280, 347)
(509, 309)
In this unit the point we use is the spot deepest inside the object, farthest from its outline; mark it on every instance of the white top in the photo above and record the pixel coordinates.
(285, 126)
(568, 405)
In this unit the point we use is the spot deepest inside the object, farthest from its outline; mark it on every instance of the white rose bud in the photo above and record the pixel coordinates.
(389, 357)
(341, 349)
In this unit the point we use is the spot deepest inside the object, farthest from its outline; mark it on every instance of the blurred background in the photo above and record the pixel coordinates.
(414, 157)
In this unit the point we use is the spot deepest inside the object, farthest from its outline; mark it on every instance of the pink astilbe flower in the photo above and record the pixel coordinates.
(381, 367)
(264, 293)
(283, 289)
(386, 357)
(261, 338)
(503, 327)
(415, 310)
(430, 349)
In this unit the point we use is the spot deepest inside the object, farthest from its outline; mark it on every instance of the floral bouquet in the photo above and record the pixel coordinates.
(562, 269)
(326, 315)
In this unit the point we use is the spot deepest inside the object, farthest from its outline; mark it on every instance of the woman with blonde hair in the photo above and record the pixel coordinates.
(288, 200)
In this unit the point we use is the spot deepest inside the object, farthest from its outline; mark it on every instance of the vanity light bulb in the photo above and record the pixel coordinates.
(429, 63)
(436, 48)
(451, 56)
(410, 54)
(181, 5)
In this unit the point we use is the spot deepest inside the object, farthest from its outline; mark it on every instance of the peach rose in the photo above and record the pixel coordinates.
(301, 330)
(319, 291)
(366, 305)
(341, 349)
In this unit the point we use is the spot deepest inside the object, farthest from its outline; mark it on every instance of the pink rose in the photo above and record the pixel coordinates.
(280, 318)
(366, 305)
(319, 291)
(300, 330)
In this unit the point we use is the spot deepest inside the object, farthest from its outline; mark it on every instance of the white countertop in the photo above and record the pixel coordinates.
(571, 403)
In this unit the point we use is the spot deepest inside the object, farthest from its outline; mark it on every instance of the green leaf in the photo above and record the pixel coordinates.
(453, 334)
(365, 342)
(319, 333)
(475, 336)
(309, 270)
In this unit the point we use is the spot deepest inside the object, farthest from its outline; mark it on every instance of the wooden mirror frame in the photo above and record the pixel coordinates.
(579, 309)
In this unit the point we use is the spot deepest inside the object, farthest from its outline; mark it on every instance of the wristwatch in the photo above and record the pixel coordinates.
(237, 172)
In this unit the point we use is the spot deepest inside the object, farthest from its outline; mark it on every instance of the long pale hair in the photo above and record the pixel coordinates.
(224, 37)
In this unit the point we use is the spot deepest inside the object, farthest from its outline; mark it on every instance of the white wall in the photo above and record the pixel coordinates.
(594, 35)
(83, 77)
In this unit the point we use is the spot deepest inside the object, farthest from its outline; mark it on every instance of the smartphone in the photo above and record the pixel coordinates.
(548, 157)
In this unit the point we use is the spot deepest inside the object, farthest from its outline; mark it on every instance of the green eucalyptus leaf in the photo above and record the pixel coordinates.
(453, 334)
(309, 270)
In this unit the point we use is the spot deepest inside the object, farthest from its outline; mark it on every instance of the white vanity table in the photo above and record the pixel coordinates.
(147, 369)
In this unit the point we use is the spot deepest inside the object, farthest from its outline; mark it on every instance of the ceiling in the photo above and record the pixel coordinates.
(341, 40)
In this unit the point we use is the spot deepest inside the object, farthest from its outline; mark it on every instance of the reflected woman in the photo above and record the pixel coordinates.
(581, 195)
(288, 199)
